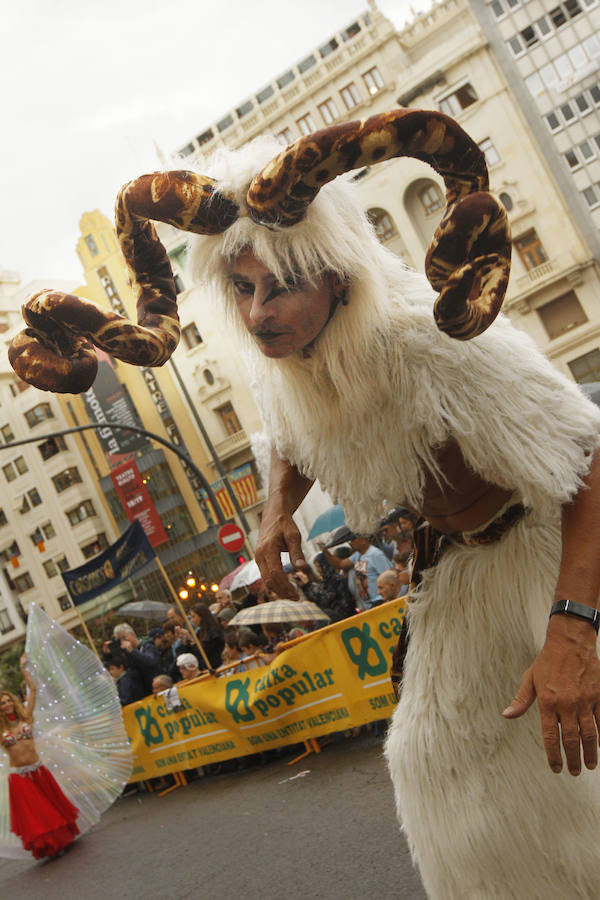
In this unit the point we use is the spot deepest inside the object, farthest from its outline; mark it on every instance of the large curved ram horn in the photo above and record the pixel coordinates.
(56, 352)
(468, 260)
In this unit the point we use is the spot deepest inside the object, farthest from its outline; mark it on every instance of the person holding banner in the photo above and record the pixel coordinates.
(371, 384)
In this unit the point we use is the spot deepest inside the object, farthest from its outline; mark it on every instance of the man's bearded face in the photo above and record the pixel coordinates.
(283, 319)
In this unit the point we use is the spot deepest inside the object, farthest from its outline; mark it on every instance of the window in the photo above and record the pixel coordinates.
(586, 149)
(534, 85)
(65, 479)
(543, 27)
(91, 244)
(285, 79)
(549, 75)
(516, 45)
(37, 537)
(351, 31)
(431, 199)
(328, 48)
(65, 602)
(530, 36)
(531, 250)
(244, 109)
(285, 137)
(328, 111)
(590, 195)
(9, 472)
(7, 434)
(350, 95)
(552, 121)
(265, 93)
(10, 552)
(586, 368)
(491, 154)
(460, 99)
(5, 623)
(83, 511)
(373, 80)
(307, 63)
(48, 530)
(34, 497)
(572, 7)
(50, 568)
(562, 314)
(229, 418)
(205, 137)
(25, 505)
(567, 112)
(582, 104)
(179, 285)
(558, 17)
(99, 544)
(191, 336)
(187, 150)
(62, 563)
(572, 159)
(383, 224)
(21, 466)
(208, 377)
(306, 124)
(3, 519)
(52, 446)
(38, 414)
(225, 123)
(23, 583)
(498, 9)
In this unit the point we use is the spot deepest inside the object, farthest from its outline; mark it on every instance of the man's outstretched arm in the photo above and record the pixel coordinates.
(565, 676)
(278, 531)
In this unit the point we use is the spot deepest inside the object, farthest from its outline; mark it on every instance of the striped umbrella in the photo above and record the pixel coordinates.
(278, 612)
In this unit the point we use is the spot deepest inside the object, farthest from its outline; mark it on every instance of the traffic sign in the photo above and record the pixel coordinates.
(231, 537)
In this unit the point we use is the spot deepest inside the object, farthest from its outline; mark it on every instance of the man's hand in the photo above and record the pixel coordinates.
(565, 678)
(278, 533)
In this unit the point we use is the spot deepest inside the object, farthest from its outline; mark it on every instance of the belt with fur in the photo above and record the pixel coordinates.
(430, 545)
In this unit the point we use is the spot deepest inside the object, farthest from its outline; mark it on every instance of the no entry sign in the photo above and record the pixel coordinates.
(231, 537)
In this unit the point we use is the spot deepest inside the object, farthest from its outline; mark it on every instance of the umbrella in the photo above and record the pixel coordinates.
(327, 521)
(592, 389)
(144, 609)
(225, 582)
(278, 612)
(248, 574)
(340, 536)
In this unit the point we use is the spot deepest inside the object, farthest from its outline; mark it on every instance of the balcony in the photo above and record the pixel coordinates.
(233, 443)
(524, 288)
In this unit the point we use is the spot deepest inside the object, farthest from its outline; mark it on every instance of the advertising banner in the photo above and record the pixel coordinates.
(106, 401)
(118, 562)
(137, 502)
(335, 679)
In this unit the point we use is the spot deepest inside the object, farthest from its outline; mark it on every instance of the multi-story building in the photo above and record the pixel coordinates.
(444, 59)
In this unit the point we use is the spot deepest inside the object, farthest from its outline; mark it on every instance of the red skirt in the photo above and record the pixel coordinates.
(40, 814)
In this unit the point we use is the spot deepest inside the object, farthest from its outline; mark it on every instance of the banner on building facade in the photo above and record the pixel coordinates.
(137, 502)
(107, 401)
(244, 486)
(335, 679)
(118, 562)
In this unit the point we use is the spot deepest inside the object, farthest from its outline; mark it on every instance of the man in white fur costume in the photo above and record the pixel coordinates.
(360, 387)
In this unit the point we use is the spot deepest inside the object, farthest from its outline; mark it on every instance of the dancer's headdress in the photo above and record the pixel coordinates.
(468, 260)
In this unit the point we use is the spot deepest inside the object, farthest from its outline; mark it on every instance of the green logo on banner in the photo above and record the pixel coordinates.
(149, 727)
(364, 651)
(236, 696)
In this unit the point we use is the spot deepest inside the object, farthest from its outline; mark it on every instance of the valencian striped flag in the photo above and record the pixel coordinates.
(244, 486)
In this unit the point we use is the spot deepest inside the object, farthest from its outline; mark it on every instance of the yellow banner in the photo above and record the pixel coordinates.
(335, 679)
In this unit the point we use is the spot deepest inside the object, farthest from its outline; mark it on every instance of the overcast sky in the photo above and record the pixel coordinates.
(87, 88)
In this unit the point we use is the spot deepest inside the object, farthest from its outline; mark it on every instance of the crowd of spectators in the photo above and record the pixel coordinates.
(352, 573)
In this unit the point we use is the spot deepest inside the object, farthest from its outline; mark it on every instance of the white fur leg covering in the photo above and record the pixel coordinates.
(485, 817)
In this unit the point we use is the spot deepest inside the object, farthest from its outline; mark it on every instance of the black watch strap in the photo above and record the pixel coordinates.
(570, 608)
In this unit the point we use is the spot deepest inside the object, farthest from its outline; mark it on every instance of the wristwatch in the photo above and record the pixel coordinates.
(579, 610)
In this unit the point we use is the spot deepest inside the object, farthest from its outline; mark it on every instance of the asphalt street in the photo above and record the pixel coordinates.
(256, 833)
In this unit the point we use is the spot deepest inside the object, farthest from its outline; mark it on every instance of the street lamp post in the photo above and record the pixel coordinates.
(155, 437)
